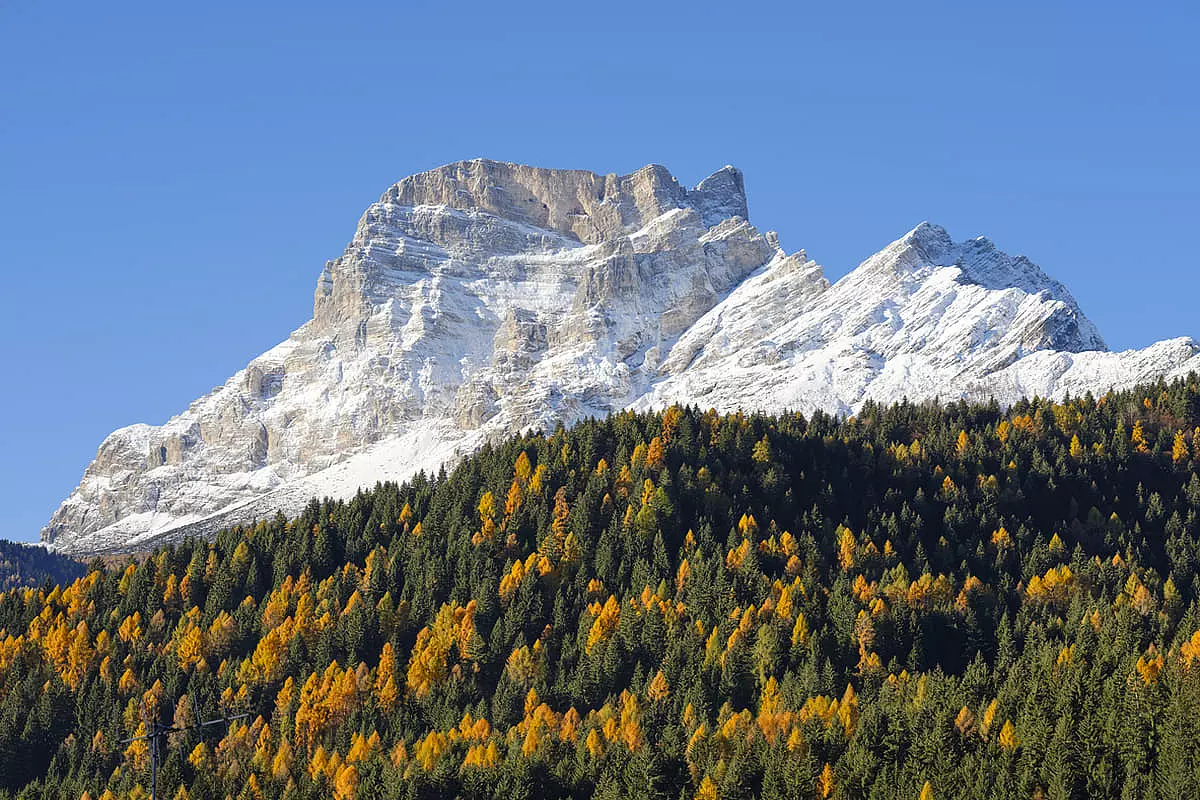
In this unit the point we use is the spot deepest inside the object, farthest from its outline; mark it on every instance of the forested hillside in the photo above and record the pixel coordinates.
(31, 565)
(919, 602)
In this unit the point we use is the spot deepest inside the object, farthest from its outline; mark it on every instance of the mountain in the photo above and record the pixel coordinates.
(481, 299)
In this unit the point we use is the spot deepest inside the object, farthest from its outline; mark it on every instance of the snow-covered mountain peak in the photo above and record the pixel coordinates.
(932, 241)
(484, 298)
(909, 259)
(927, 259)
(929, 246)
(721, 196)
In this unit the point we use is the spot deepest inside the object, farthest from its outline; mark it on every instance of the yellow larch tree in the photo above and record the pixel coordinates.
(606, 619)
(522, 469)
(825, 783)
(345, 784)
(594, 744)
(1077, 451)
(1008, 736)
(659, 689)
(138, 751)
(707, 790)
(989, 715)
(965, 722)
(1179, 450)
(1138, 439)
(631, 722)
(448, 635)
(487, 512)
(1150, 665)
(846, 547)
(514, 499)
(655, 455)
(281, 764)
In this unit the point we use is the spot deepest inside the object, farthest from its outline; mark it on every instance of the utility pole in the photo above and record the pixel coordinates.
(156, 730)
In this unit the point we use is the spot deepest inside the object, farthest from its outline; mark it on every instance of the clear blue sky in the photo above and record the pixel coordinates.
(172, 181)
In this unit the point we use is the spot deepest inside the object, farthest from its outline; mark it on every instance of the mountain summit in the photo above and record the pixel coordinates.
(484, 298)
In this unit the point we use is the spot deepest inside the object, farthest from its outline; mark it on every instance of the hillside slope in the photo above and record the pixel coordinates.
(23, 565)
(979, 602)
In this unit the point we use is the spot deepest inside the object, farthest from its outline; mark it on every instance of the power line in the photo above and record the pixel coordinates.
(155, 731)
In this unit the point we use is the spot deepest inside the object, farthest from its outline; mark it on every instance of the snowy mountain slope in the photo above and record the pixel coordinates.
(481, 299)
(924, 317)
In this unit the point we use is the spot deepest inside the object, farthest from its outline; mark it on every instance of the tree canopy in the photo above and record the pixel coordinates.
(918, 601)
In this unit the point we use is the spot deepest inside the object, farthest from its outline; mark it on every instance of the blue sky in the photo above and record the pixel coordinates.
(174, 180)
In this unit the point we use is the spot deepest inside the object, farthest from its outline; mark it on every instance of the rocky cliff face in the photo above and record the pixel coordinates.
(481, 299)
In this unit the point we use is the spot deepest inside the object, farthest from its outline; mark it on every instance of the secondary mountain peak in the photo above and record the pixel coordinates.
(928, 258)
(720, 196)
(932, 240)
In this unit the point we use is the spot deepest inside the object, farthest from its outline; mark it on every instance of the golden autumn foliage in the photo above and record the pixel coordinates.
(737, 556)
(487, 513)
(1001, 538)
(594, 744)
(605, 622)
(525, 664)
(1189, 652)
(659, 689)
(762, 451)
(439, 643)
(774, 719)
(1008, 738)
(989, 716)
(846, 545)
(379, 666)
(201, 757)
(707, 790)
(482, 756)
(1053, 587)
(537, 481)
(655, 454)
(345, 784)
(1138, 439)
(964, 722)
(800, 630)
(825, 782)
(138, 751)
(430, 749)
(514, 498)
(1149, 666)
(513, 578)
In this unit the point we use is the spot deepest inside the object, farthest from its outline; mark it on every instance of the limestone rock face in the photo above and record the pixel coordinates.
(481, 299)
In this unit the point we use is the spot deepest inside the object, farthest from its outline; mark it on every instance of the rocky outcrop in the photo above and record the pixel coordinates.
(481, 299)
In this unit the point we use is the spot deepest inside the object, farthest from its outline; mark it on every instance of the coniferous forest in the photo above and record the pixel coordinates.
(917, 602)
(32, 565)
